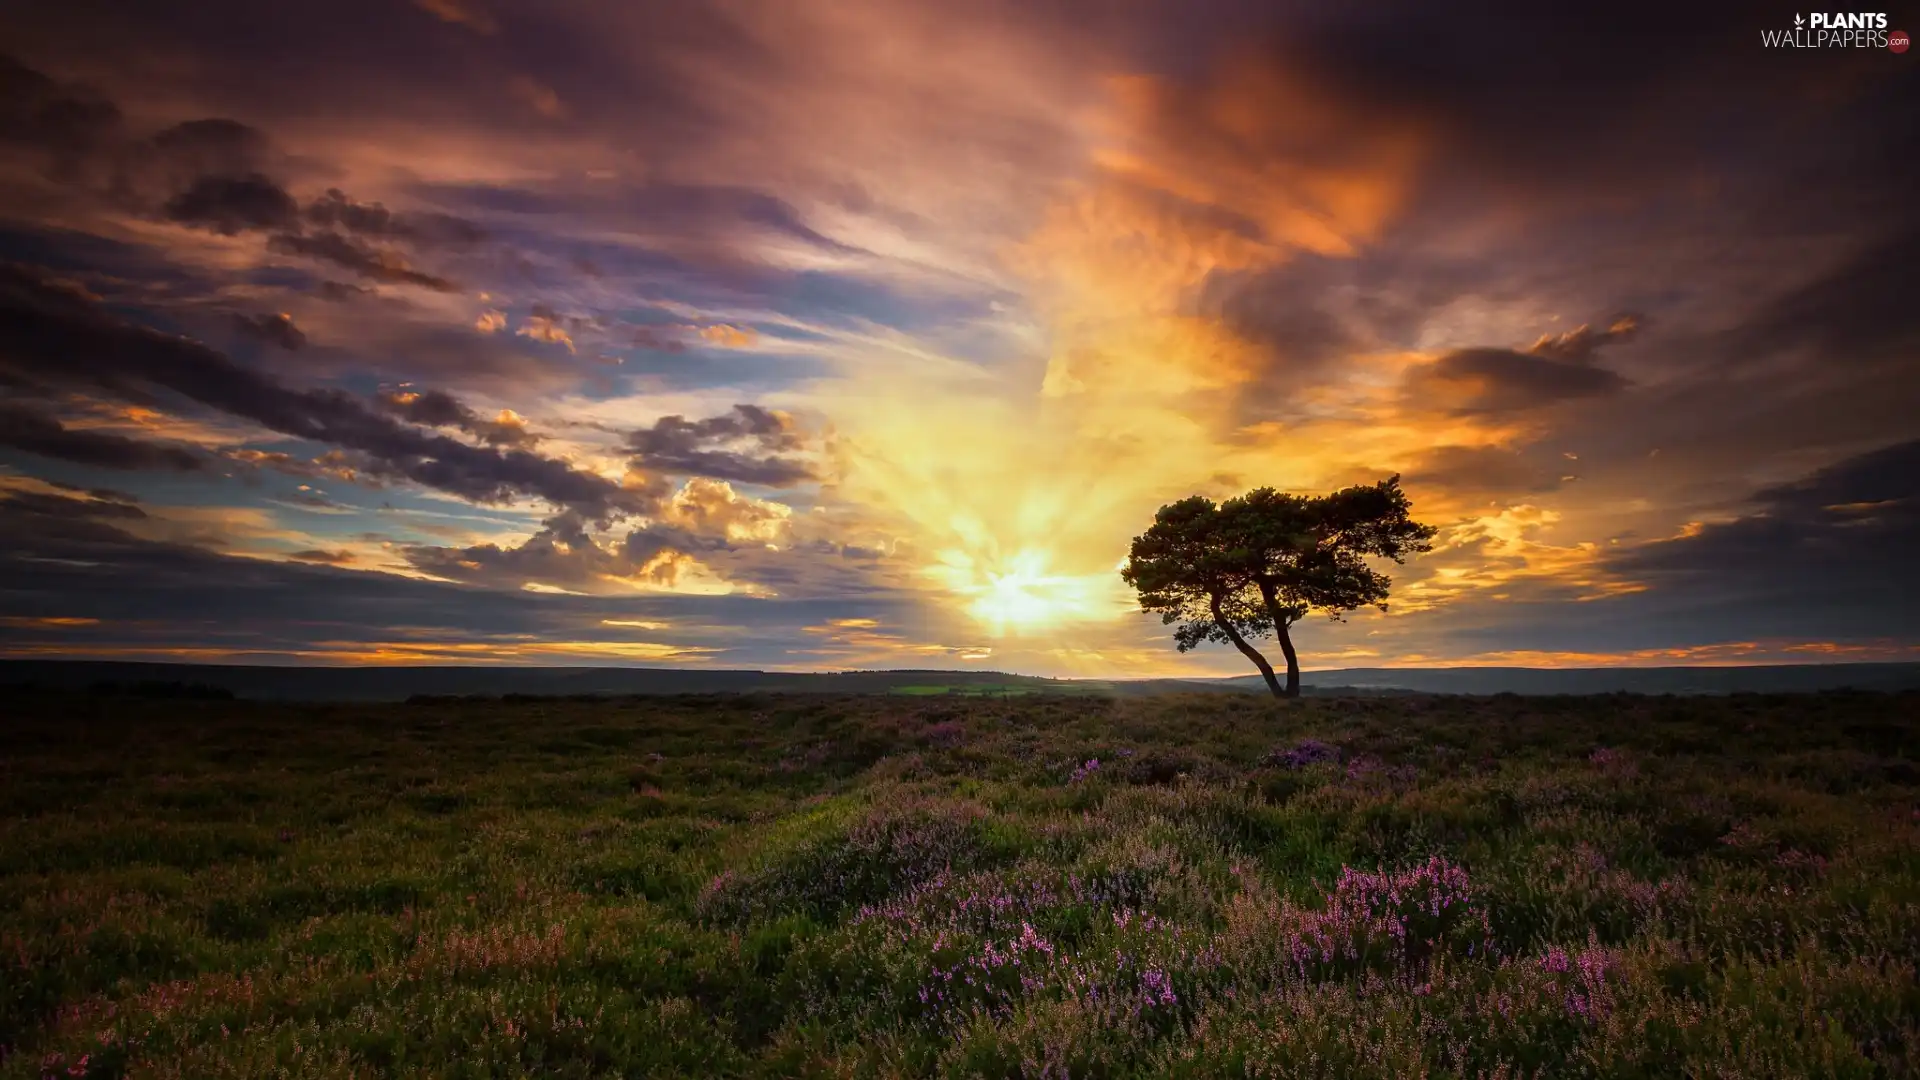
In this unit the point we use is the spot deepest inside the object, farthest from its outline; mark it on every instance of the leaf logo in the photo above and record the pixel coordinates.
(1798, 22)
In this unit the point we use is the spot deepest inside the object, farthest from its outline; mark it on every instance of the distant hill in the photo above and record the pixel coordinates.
(400, 683)
(1771, 679)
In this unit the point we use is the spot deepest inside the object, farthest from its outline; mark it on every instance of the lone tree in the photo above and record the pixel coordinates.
(1255, 565)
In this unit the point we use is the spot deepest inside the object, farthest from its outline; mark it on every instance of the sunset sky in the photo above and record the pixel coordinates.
(866, 333)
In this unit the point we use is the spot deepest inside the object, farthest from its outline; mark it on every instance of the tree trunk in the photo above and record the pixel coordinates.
(1280, 624)
(1293, 659)
(1253, 654)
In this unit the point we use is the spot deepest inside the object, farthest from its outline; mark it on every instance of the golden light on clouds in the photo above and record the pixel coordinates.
(1488, 553)
(389, 652)
(1019, 494)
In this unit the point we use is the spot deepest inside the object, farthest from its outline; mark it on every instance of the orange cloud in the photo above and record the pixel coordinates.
(862, 641)
(732, 337)
(714, 508)
(467, 13)
(537, 96)
(323, 557)
(545, 328)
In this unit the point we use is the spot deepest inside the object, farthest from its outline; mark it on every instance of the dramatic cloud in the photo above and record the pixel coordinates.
(351, 254)
(216, 174)
(70, 126)
(859, 333)
(1555, 368)
(339, 292)
(705, 539)
(50, 337)
(323, 558)
(435, 408)
(230, 204)
(1577, 346)
(1829, 549)
(1469, 381)
(336, 210)
(38, 433)
(677, 446)
(275, 329)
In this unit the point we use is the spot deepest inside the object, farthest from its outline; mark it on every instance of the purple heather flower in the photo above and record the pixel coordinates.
(1307, 752)
(1158, 988)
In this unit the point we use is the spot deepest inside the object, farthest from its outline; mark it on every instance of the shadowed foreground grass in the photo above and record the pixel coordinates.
(893, 886)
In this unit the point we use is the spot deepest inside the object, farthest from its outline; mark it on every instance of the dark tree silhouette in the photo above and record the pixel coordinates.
(1255, 565)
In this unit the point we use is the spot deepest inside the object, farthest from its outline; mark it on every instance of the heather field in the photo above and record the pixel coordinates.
(1019, 886)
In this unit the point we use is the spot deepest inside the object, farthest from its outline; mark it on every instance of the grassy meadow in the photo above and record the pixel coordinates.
(962, 886)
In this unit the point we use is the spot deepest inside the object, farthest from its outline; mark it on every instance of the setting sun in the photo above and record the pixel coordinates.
(1020, 597)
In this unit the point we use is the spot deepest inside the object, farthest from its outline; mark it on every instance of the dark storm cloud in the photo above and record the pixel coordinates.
(336, 210)
(51, 337)
(339, 292)
(70, 127)
(217, 174)
(1826, 558)
(1541, 99)
(321, 557)
(659, 338)
(1834, 548)
(209, 172)
(233, 204)
(277, 329)
(564, 553)
(84, 139)
(74, 504)
(1890, 475)
(1860, 312)
(1492, 381)
(215, 146)
(380, 58)
(38, 433)
(436, 408)
(1488, 381)
(677, 446)
(362, 259)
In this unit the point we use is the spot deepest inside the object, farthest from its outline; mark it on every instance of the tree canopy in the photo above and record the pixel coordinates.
(1252, 566)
